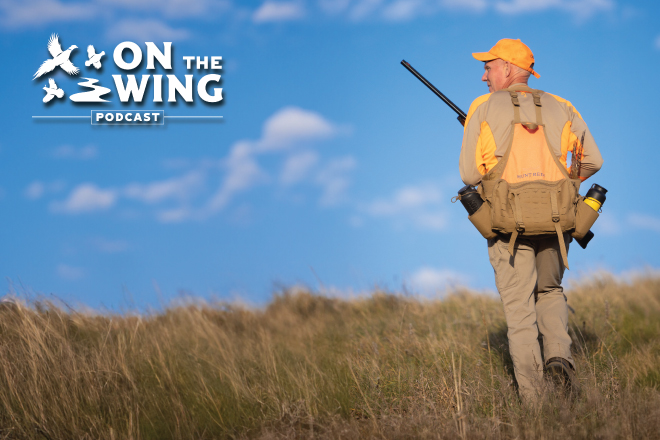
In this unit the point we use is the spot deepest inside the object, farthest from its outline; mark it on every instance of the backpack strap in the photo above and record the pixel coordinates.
(518, 217)
(516, 106)
(537, 105)
(555, 219)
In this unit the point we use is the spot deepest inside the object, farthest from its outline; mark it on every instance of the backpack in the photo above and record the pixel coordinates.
(529, 191)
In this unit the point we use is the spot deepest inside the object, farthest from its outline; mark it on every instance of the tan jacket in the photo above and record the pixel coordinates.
(488, 129)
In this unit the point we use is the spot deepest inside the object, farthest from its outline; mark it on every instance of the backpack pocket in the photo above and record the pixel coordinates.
(585, 218)
(481, 220)
(534, 207)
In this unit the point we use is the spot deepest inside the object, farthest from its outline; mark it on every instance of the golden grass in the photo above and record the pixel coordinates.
(308, 366)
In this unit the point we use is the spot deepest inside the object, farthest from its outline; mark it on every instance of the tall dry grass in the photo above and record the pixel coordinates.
(386, 366)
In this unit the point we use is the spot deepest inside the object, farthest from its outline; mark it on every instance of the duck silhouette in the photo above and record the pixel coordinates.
(94, 58)
(52, 91)
(60, 58)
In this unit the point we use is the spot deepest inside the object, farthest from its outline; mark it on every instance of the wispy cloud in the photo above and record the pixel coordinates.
(31, 13)
(34, 190)
(28, 13)
(70, 152)
(579, 8)
(273, 11)
(298, 166)
(404, 199)
(180, 188)
(70, 273)
(293, 125)
(467, 5)
(644, 221)
(37, 189)
(656, 42)
(432, 281)
(420, 205)
(402, 10)
(286, 129)
(334, 180)
(84, 198)
(189, 196)
(242, 173)
(146, 30)
(169, 8)
(362, 9)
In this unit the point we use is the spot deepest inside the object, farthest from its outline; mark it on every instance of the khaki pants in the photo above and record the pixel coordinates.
(534, 301)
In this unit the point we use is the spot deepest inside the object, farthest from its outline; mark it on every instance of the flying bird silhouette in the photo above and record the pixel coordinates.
(52, 91)
(60, 58)
(94, 58)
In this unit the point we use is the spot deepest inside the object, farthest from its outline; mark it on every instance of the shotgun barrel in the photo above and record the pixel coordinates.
(461, 113)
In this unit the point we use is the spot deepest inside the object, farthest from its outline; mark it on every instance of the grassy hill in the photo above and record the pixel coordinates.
(308, 366)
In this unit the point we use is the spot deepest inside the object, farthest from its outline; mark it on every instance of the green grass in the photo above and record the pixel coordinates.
(383, 366)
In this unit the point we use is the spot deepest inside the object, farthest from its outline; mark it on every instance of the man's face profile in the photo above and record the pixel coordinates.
(495, 74)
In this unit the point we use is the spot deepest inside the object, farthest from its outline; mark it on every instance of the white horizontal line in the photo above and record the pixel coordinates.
(88, 117)
(193, 116)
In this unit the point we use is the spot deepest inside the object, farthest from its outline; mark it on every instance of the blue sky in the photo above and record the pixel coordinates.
(333, 166)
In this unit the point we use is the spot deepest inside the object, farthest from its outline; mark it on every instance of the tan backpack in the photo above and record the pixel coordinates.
(529, 191)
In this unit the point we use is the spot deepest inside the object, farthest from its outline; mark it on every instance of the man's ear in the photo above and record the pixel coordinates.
(507, 69)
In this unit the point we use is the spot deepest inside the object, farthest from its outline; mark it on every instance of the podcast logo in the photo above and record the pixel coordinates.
(127, 57)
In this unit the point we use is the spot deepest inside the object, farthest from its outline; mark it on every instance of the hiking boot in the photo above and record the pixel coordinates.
(561, 372)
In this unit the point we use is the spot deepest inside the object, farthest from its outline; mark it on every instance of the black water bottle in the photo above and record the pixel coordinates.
(470, 199)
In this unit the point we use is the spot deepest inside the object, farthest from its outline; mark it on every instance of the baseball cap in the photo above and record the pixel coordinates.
(514, 51)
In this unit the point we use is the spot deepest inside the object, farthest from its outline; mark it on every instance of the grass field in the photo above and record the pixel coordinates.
(308, 366)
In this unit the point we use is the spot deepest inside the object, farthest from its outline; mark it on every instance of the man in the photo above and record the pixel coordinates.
(528, 273)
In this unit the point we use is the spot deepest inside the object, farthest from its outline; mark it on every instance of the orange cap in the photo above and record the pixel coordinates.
(514, 51)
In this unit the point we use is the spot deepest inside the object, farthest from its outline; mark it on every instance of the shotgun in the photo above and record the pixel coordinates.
(461, 113)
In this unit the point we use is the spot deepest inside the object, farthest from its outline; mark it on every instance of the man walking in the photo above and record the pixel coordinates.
(532, 132)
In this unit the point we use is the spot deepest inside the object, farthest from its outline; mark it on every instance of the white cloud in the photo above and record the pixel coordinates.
(292, 125)
(579, 8)
(170, 8)
(436, 221)
(402, 10)
(242, 173)
(297, 167)
(70, 152)
(430, 281)
(70, 273)
(285, 129)
(35, 190)
(363, 9)
(239, 172)
(178, 188)
(471, 5)
(271, 11)
(175, 215)
(145, 30)
(334, 6)
(86, 197)
(420, 205)
(644, 221)
(334, 180)
(28, 13)
(405, 199)
(38, 189)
